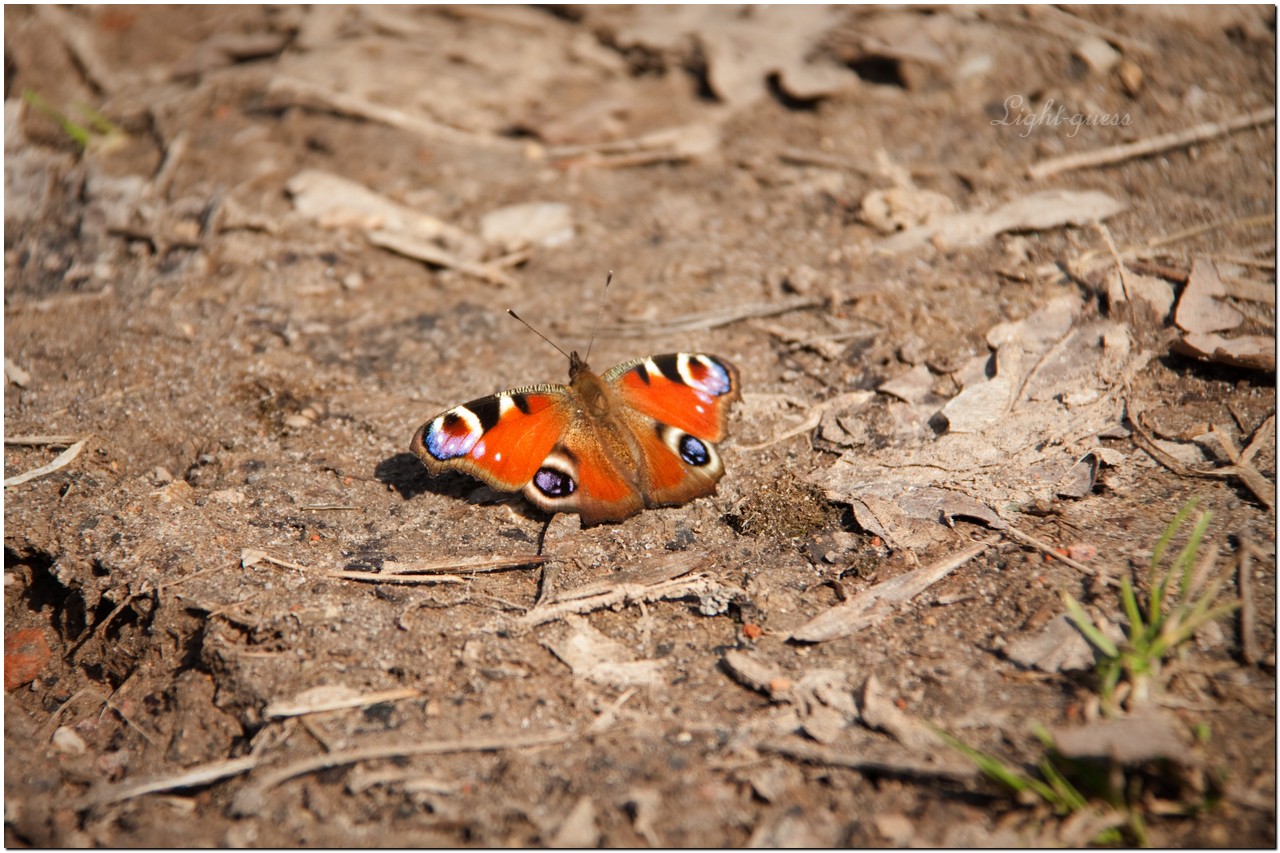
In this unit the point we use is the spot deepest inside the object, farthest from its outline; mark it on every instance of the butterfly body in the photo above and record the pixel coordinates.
(604, 446)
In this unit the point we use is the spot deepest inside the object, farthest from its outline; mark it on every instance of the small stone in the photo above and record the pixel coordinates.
(1131, 77)
(1097, 54)
(66, 740)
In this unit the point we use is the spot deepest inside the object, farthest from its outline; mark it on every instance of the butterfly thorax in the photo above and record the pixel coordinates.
(591, 390)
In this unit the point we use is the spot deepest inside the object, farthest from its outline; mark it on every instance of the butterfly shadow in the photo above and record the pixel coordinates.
(406, 474)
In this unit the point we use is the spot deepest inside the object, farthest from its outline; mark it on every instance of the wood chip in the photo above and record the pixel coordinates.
(601, 659)
(62, 460)
(1042, 211)
(871, 605)
(1199, 307)
(1144, 736)
(330, 697)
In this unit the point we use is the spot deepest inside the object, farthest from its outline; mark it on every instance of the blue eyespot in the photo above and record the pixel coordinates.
(694, 451)
(553, 483)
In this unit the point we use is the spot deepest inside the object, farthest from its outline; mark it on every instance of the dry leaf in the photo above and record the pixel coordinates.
(1199, 310)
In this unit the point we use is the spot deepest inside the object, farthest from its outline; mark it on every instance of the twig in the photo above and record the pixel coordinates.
(654, 581)
(249, 800)
(1046, 548)
(863, 761)
(297, 92)
(41, 440)
(64, 458)
(1246, 473)
(1151, 145)
(464, 564)
(421, 250)
(174, 152)
(378, 577)
(1091, 260)
(192, 778)
(868, 606)
(712, 319)
(439, 571)
(280, 710)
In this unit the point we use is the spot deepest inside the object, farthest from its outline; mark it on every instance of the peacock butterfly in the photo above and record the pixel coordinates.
(605, 447)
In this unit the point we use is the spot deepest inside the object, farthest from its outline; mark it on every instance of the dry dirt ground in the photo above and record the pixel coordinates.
(249, 250)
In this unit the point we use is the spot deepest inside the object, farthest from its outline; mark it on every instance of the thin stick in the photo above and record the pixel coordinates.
(896, 765)
(1151, 145)
(64, 458)
(422, 250)
(295, 91)
(248, 800)
(713, 319)
(375, 577)
(280, 710)
(194, 777)
(866, 607)
(1046, 548)
(41, 440)
(811, 420)
(250, 557)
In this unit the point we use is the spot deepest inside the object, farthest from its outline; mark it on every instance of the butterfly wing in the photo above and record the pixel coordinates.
(676, 406)
(502, 439)
(540, 440)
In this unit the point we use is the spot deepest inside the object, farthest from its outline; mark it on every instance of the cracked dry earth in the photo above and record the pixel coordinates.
(250, 250)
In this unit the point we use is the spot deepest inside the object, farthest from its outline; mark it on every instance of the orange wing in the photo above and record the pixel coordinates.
(689, 391)
(502, 439)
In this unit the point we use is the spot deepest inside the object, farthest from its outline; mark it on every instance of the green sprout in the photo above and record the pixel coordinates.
(1170, 616)
(96, 126)
(1054, 789)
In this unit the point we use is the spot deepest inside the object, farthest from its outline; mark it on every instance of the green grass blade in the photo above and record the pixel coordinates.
(1099, 640)
(1185, 564)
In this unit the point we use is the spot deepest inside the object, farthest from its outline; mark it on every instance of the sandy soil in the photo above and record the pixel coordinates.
(206, 641)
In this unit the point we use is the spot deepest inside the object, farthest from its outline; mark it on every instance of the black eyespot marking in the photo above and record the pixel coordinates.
(553, 483)
(670, 366)
(693, 451)
(522, 402)
(643, 374)
(486, 411)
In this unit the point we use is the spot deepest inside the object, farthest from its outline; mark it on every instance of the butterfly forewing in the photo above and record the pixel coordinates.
(689, 391)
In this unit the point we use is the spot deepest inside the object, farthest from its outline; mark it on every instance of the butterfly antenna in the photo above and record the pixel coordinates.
(599, 316)
(539, 334)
